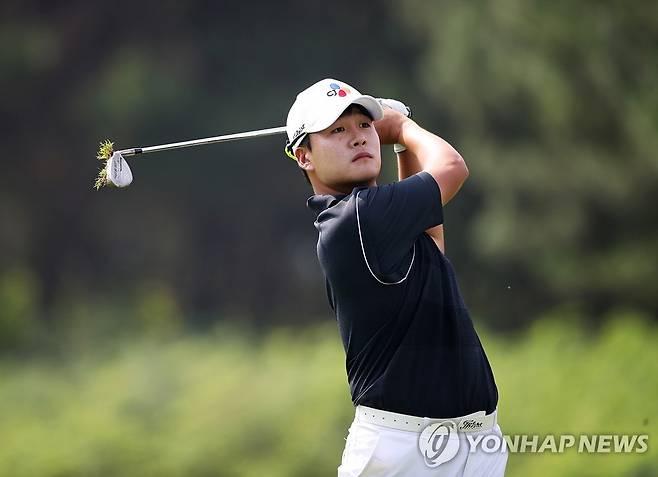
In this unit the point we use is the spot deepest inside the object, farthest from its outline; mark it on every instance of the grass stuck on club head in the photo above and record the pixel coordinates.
(105, 151)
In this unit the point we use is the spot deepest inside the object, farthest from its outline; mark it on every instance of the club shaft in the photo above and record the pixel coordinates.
(200, 142)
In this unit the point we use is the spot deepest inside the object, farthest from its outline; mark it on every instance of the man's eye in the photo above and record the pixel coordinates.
(365, 125)
(338, 129)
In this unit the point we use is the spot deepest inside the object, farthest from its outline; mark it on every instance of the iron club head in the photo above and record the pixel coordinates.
(118, 172)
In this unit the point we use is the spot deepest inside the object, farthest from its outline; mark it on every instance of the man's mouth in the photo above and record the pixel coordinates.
(361, 155)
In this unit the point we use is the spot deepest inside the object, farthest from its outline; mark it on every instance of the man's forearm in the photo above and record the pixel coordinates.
(408, 164)
(428, 152)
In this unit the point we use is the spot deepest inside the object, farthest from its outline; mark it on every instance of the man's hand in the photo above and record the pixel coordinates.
(390, 125)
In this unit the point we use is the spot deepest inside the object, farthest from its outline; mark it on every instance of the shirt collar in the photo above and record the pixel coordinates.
(319, 203)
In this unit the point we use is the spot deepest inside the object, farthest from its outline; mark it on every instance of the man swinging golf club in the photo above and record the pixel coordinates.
(418, 375)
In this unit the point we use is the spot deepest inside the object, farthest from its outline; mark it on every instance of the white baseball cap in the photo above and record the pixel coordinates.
(319, 105)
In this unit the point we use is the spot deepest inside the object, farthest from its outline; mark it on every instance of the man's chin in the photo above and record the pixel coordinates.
(370, 176)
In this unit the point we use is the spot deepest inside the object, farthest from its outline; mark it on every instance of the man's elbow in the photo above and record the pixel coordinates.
(450, 172)
(460, 167)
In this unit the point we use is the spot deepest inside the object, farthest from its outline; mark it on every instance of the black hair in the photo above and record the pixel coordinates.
(306, 142)
(361, 109)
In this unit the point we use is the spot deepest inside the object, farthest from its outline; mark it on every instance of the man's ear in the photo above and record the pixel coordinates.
(303, 158)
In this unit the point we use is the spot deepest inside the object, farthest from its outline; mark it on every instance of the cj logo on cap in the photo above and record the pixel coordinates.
(336, 90)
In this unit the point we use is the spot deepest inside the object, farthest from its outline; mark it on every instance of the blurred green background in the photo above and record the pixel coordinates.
(180, 326)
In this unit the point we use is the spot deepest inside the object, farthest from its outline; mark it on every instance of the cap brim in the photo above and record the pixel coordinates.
(368, 102)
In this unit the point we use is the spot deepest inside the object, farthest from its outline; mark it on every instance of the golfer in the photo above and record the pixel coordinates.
(417, 372)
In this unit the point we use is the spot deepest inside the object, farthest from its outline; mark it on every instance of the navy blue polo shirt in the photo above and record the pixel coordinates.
(409, 340)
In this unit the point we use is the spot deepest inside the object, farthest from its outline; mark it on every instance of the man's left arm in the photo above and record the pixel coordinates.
(408, 165)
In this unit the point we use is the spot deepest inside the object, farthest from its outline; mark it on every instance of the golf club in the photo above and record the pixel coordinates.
(117, 172)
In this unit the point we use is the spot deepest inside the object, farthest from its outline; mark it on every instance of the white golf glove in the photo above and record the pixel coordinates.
(400, 107)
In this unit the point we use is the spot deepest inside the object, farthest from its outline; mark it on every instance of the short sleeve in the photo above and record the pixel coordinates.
(392, 216)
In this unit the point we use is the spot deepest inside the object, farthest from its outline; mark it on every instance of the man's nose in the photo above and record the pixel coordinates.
(359, 140)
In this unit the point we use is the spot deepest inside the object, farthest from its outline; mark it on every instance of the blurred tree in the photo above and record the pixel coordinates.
(224, 228)
(555, 107)
(18, 297)
(552, 104)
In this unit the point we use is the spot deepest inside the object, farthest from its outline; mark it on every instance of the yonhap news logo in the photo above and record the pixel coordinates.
(558, 444)
(440, 442)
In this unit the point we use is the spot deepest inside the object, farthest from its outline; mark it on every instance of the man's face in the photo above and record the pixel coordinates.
(345, 155)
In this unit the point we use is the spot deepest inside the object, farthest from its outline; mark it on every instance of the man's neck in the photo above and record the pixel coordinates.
(324, 189)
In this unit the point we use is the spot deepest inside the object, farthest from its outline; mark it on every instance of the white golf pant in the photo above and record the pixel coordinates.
(415, 447)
